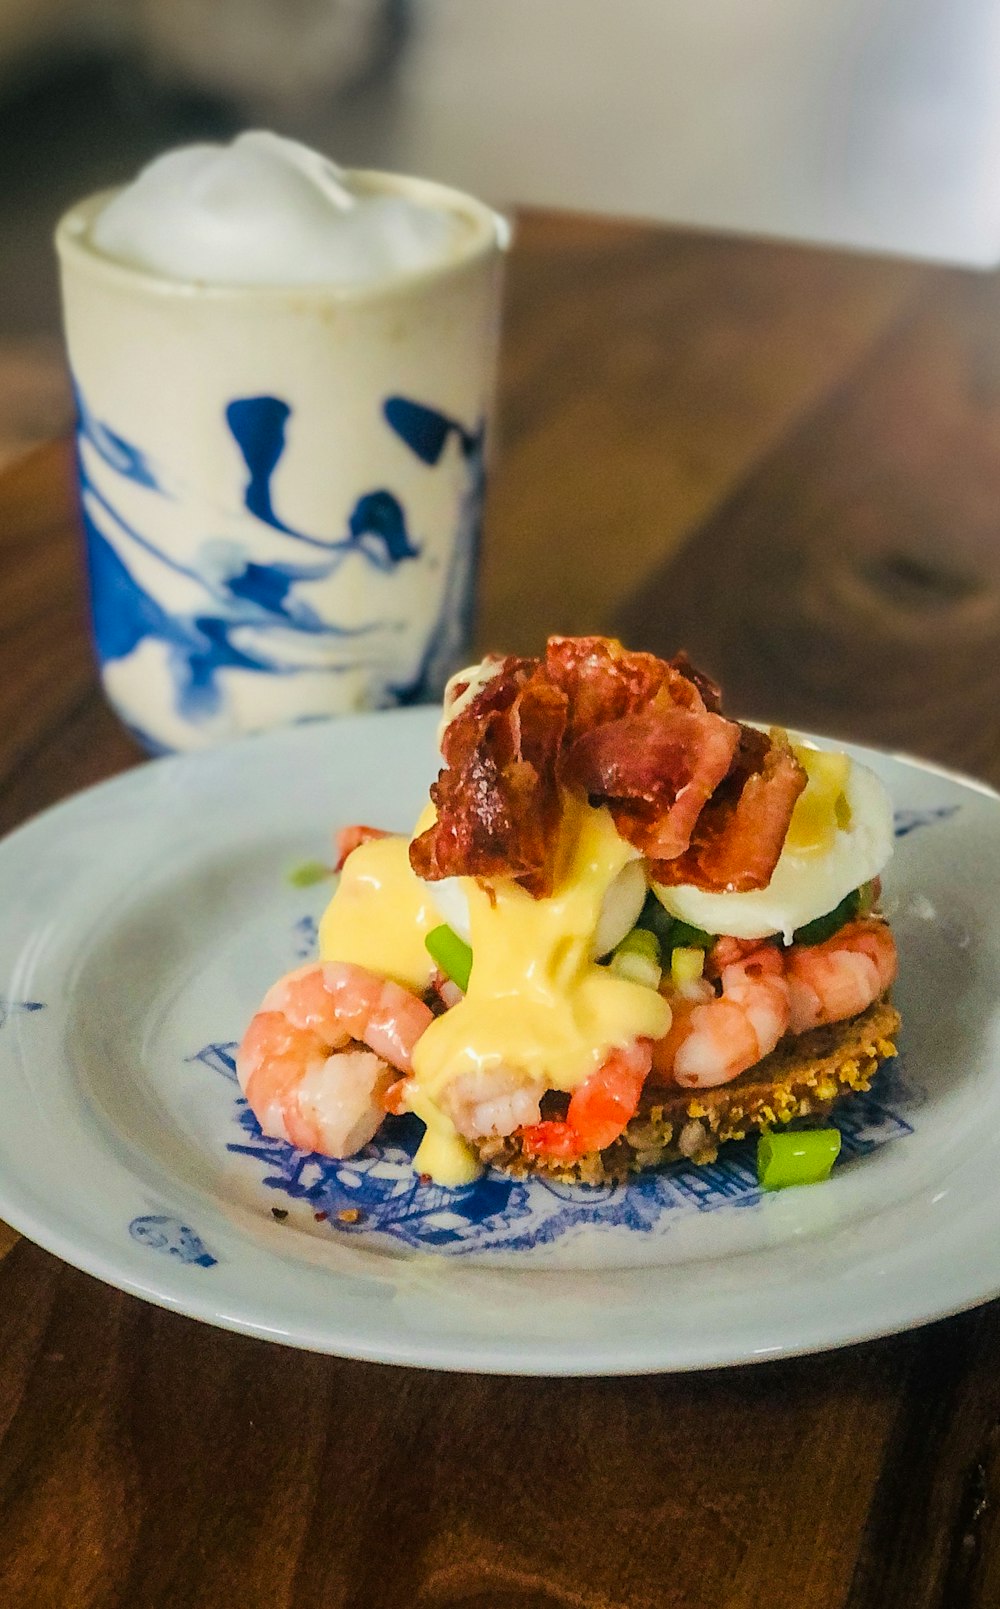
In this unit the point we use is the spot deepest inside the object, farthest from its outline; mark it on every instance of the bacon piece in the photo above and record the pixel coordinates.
(498, 693)
(711, 693)
(739, 834)
(351, 838)
(498, 801)
(707, 800)
(656, 770)
(604, 682)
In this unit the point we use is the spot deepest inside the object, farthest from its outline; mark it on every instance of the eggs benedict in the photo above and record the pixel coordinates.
(624, 929)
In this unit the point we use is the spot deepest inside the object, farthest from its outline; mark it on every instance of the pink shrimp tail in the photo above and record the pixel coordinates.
(599, 1110)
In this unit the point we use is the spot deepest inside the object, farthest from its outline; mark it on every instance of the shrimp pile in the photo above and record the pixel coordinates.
(321, 1061)
(767, 993)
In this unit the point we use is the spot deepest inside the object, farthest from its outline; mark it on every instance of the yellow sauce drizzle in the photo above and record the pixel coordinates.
(537, 1004)
(821, 810)
(380, 914)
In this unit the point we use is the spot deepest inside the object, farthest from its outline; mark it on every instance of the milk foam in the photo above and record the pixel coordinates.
(267, 211)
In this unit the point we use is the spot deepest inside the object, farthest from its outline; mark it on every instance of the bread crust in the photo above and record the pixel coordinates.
(802, 1077)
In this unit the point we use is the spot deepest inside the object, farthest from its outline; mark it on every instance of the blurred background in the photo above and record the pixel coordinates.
(873, 124)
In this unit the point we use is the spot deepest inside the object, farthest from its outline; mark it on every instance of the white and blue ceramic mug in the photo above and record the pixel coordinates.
(281, 487)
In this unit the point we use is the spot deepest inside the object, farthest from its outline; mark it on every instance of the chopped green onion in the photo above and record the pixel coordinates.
(687, 963)
(804, 1156)
(683, 935)
(640, 941)
(308, 872)
(450, 953)
(637, 958)
(636, 968)
(824, 927)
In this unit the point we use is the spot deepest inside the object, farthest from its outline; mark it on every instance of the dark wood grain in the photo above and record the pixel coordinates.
(47, 664)
(56, 732)
(852, 582)
(644, 374)
(790, 461)
(146, 1459)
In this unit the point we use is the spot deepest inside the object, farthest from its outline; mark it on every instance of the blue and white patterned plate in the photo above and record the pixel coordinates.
(142, 922)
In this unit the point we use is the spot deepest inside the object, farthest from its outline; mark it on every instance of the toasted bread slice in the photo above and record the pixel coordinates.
(802, 1077)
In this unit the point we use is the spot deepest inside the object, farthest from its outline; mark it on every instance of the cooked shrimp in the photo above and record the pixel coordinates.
(304, 1075)
(491, 1101)
(599, 1108)
(770, 992)
(713, 1038)
(725, 951)
(840, 977)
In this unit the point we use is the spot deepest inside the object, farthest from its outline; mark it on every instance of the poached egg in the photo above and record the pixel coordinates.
(840, 836)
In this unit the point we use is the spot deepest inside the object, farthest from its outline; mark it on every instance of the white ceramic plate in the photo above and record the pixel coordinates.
(141, 923)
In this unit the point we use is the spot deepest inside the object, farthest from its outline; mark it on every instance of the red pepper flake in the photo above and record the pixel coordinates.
(425, 1178)
(281, 1213)
(350, 1215)
(321, 1217)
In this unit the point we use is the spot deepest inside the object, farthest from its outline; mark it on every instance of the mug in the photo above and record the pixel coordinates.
(281, 487)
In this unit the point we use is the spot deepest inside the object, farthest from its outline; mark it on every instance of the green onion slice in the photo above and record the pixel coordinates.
(450, 953)
(308, 872)
(804, 1156)
(640, 941)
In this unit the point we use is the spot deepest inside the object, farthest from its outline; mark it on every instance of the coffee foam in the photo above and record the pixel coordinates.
(267, 211)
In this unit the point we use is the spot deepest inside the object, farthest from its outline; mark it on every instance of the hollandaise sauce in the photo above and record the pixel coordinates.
(822, 810)
(538, 1006)
(381, 914)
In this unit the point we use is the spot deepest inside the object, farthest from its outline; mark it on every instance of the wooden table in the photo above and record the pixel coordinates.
(789, 462)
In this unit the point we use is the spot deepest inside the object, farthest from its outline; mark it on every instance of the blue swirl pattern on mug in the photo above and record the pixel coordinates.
(245, 613)
(9, 1007)
(427, 433)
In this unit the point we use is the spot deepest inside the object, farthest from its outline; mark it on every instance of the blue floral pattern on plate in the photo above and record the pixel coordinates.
(378, 1192)
(907, 821)
(305, 935)
(160, 1231)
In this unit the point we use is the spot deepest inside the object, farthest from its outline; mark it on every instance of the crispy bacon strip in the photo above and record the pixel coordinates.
(604, 682)
(498, 803)
(738, 836)
(707, 800)
(656, 770)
